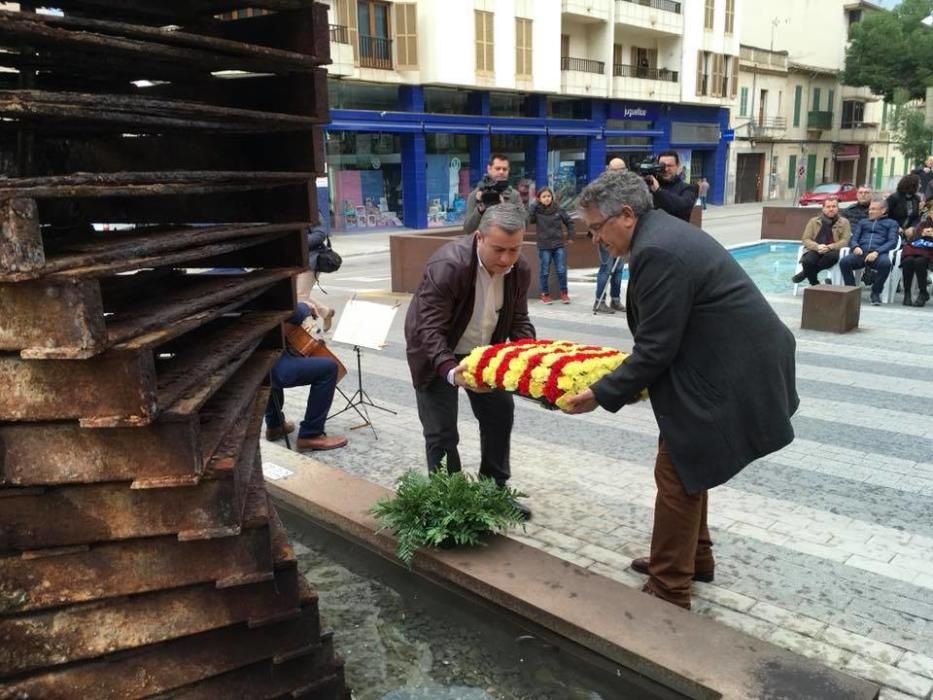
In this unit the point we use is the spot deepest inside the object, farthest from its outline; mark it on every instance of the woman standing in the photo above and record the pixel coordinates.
(548, 217)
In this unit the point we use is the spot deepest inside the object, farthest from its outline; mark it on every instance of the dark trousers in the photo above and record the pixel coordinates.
(680, 541)
(437, 409)
(881, 266)
(812, 263)
(915, 266)
(319, 374)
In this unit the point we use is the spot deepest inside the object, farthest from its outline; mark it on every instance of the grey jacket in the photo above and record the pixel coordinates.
(474, 213)
(717, 361)
(549, 225)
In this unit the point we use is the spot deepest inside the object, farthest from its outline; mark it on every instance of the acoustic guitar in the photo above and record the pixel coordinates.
(301, 342)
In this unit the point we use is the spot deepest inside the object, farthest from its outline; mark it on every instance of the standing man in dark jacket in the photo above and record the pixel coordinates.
(497, 171)
(872, 239)
(717, 361)
(474, 292)
(671, 193)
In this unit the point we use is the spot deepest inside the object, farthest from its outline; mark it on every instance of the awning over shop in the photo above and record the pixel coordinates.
(847, 152)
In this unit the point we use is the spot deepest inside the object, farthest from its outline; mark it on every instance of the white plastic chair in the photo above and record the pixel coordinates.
(835, 275)
(894, 277)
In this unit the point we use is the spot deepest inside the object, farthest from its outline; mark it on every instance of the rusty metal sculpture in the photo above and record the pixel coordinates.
(139, 554)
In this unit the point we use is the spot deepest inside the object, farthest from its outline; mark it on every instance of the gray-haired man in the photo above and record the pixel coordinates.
(717, 361)
(474, 292)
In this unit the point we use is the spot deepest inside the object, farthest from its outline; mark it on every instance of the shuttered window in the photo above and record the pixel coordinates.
(484, 42)
(717, 77)
(701, 73)
(709, 13)
(523, 47)
(406, 36)
(730, 16)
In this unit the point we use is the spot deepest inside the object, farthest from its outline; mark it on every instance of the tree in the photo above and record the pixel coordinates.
(912, 136)
(892, 50)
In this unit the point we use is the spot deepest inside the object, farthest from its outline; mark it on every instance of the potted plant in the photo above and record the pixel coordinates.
(445, 510)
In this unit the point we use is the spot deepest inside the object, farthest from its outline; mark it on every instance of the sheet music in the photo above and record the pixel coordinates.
(365, 323)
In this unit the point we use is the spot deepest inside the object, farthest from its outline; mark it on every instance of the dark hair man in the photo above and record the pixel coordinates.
(474, 292)
(497, 171)
(824, 237)
(715, 358)
(671, 193)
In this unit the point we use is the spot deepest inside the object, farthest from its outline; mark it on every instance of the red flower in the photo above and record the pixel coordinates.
(551, 390)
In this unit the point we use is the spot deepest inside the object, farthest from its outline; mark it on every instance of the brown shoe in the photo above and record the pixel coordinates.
(321, 442)
(654, 594)
(641, 566)
(279, 431)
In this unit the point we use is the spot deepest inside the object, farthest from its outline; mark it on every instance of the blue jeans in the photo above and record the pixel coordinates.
(602, 276)
(559, 256)
(317, 373)
(881, 265)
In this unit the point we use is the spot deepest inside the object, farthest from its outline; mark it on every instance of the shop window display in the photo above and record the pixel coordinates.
(447, 178)
(365, 179)
(566, 168)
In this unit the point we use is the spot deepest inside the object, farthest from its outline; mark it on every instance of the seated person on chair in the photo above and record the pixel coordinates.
(319, 374)
(824, 236)
(859, 210)
(872, 239)
(917, 257)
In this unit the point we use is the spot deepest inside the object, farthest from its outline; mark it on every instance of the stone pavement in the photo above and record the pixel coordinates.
(825, 548)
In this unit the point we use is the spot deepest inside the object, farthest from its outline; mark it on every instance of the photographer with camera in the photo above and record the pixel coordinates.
(664, 179)
(493, 189)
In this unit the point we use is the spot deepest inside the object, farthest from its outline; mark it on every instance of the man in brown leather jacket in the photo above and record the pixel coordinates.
(474, 292)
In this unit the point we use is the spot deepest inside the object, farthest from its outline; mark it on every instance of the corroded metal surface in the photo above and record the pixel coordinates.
(139, 554)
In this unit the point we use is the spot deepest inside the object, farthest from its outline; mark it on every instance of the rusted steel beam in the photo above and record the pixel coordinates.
(145, 184)
(50, 578)
(281, 204)
(160, 12)
(130, 383)
(147, 47)
(165, 453)
(298, 677)
(20, 240)
(45, 315)
(293, 30)
(177, 663)
(141, 114)
(90, 630)
(111, 252)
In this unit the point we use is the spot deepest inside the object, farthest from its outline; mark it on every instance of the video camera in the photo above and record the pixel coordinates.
(490, 190)
(649, 167)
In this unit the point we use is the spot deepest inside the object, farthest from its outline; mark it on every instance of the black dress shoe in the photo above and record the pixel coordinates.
(641, 566)
(523, 510)
(799, 277)
(922, 300)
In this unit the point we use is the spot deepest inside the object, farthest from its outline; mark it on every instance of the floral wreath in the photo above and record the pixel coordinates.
(547, 370)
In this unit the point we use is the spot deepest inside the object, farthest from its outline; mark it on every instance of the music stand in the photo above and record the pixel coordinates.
(363, 324)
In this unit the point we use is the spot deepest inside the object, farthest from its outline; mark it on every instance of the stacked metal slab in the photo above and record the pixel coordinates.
(156, 168)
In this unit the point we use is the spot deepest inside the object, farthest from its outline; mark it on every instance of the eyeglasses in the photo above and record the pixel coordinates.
(596, 228)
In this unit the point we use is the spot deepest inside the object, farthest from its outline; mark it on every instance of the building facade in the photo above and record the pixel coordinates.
(421, 93)
(796, 125)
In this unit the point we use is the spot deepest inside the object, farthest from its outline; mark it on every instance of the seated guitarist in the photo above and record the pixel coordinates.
(319, 374)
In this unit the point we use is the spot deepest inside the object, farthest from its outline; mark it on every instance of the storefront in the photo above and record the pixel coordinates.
(413, 162)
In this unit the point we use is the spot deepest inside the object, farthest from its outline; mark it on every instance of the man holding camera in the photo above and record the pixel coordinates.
(493, 189)
(670, 192)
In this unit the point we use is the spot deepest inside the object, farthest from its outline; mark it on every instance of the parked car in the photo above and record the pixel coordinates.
(844, 192)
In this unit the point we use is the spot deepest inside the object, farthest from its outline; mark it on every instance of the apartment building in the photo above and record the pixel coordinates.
(422, 92)
(796, 125)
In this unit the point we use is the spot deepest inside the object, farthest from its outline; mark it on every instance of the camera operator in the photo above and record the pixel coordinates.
(493, 189)
(670, 192)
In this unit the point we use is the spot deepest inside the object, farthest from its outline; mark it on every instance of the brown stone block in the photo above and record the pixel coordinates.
(831, 308)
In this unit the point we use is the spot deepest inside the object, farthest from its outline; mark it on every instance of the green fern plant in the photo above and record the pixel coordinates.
(445, 510)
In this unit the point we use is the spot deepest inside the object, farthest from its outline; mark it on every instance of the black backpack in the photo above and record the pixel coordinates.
(321, 256)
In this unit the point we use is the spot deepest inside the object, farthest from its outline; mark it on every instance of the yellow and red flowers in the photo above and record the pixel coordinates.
(548, 370)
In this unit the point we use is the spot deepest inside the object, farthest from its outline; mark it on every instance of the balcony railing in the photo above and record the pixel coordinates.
(625, 71)
(819, 120)
(584, 65)
(667, 5)
(769, 122)
(339, 34)
(763, 57)
(375, 52)
(858, 125)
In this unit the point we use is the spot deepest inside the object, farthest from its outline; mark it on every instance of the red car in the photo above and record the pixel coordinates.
(844, 192)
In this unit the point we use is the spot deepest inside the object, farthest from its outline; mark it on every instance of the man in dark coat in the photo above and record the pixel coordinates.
(717, 361)
(474, 292)
(670, 192)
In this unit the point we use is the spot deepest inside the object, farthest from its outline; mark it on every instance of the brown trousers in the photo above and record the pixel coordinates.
(680, 542)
